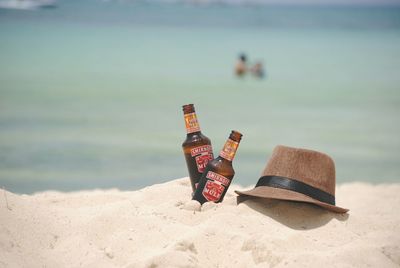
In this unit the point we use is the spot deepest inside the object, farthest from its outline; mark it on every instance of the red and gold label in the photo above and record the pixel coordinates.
(215, 186)
(218, 178)
(202, 154)
(229, 150)
(192, 125)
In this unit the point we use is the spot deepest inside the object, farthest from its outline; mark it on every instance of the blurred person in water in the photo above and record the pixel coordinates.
(241, 65)
(258, 70)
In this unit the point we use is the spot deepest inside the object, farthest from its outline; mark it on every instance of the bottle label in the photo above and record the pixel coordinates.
(192, 125)
(202, 154)
(229, 150)
(215, 186)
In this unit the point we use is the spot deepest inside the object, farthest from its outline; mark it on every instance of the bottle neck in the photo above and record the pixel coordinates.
(228, 152)
(191, 123)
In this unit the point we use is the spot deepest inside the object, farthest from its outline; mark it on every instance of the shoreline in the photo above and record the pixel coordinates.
(157, 226)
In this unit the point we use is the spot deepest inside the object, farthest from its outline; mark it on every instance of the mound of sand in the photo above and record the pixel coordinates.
(159, 226)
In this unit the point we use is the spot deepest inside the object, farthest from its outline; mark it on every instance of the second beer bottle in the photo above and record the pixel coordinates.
(197, 147)
(219, 173)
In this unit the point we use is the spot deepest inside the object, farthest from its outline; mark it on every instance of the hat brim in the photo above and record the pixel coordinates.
(283, 194)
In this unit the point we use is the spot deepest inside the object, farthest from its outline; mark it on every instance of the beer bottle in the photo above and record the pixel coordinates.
(197, 147)
(219, 173)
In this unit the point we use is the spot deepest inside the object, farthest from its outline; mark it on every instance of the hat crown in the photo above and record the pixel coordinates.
(311, 167)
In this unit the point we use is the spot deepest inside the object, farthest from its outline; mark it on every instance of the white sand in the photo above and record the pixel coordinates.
(158, 227)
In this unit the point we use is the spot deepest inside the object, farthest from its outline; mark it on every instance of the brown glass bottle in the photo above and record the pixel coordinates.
(197, 147)
(219, 173)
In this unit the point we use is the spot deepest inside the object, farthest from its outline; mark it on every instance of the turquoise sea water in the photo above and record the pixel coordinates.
(91, 92)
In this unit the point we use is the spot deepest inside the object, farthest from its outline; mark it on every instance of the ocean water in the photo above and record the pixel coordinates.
(91, 91)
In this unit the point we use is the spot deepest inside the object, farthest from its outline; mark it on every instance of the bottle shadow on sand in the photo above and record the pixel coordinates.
(295, 215)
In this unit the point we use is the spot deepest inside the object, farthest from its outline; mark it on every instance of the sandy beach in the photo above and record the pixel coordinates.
(159, 226)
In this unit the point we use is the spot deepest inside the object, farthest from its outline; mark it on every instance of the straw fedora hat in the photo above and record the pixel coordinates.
(298, 175)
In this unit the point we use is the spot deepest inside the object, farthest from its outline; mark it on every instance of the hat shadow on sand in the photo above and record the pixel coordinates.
(295, 215)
